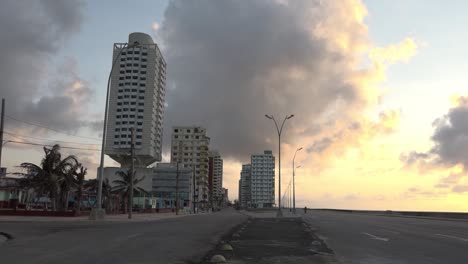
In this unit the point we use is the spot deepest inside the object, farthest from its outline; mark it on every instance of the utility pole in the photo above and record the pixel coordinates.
(1, 132)
(177, 183)
(132, 172)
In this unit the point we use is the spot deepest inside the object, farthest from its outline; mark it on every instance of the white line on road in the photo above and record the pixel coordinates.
(132, 236)
(376, 237)
(454, 237)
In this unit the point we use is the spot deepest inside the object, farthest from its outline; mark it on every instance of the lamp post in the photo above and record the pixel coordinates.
(279, 130)
(98, 213)
(294, 181)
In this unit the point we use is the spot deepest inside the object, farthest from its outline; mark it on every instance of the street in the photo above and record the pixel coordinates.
(174, 240)
(357, 238)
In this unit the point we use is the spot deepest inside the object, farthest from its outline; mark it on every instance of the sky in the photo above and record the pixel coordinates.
(377, 88)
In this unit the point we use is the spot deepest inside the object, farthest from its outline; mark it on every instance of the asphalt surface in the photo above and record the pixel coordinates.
(273, 240)
(175, 240)
(358, 238)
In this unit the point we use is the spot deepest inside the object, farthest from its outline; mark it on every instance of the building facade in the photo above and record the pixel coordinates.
(215, 177)
(136, 100)
(244, 186)
(190, 147)
(166, 184)
(262, 180)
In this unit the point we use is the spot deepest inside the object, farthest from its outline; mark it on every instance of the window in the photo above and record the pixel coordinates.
(144, 60)
(125, 109)
(140, 123)
(131, 122)
(132, 109)
(122, 65)
(127, 77)
(143, 66)
(125, 116)
(117, 123)
(143, 78)
(118, 116)
(121, 78)
(140, 110)
(141, 104)
(133, 103)
(121, 84)
(117, 130)
(138, 143)
(141, 97)
(124, 129)
(122, 59)
(127, 90)
(135, 71)
(128, 71)
(176, 130)
(123, 142)
(176, 136)
(188, 130)
(142, 85)
(141, 91)
(130, 52)
(144, 53)
(137, 52)
(134, 84)
(134, 96)
(140, 117)
(119, 110)
(116, 136)
(116, 142)
(135, 64)
(132, 116)
(119, 103)
(138, 136)
(136, 58)
(143, 72)
(139, 130)
(186, 137)
(124, 136)
(129, 64)
(123, 53)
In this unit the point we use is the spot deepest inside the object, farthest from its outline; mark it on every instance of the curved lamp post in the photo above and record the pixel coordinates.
(279, 130)
(99, 214)
(294, 181)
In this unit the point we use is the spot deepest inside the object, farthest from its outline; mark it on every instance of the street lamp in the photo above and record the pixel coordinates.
(279, 130)
(98, 213)
(294, 182)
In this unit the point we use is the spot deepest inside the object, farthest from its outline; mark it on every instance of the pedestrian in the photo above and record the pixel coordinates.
(305, 210)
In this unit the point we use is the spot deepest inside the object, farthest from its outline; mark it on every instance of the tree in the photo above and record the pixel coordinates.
(122, 187)
(92, 185)
(52, 177)
(80, 174)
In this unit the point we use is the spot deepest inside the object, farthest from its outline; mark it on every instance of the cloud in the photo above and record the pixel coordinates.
(402, 51)
(450, 139)
(232, 62)
(460, 188)
(33, 33)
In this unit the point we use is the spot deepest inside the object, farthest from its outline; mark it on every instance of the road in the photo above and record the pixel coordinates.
(174, 240)
(358, 238)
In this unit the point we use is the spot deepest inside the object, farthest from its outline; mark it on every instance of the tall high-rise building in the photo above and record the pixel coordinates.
(263, 180)
(136, 100)
(215, 176)
(189, 147)
(245, 186)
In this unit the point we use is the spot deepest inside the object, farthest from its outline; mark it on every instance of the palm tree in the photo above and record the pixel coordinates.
(92, 185)
(52, 177)
(80, 174)
(122, 186)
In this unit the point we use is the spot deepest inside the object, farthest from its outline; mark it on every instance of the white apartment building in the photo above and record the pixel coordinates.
(189, 147)
(136, 100)
(262, 180)
(215, 175)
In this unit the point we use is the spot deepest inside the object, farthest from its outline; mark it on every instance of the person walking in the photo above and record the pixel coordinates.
(305, 210)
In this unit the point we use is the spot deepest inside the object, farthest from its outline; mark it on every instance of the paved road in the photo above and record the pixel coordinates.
(175, 240)
(380, 239)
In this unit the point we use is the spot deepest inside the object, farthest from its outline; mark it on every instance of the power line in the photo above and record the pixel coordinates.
(43, 145)
(51, 129)
(46, 139)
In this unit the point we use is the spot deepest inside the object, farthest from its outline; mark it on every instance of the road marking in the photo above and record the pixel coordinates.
(391, 231)
(454, 237)
(376, 237)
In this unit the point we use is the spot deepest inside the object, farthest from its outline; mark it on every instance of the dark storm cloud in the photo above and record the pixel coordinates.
(450, 139)
(32, 32)
(232, 62)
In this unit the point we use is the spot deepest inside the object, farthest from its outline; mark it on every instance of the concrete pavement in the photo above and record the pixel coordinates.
(171, 240)
(380, 239)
